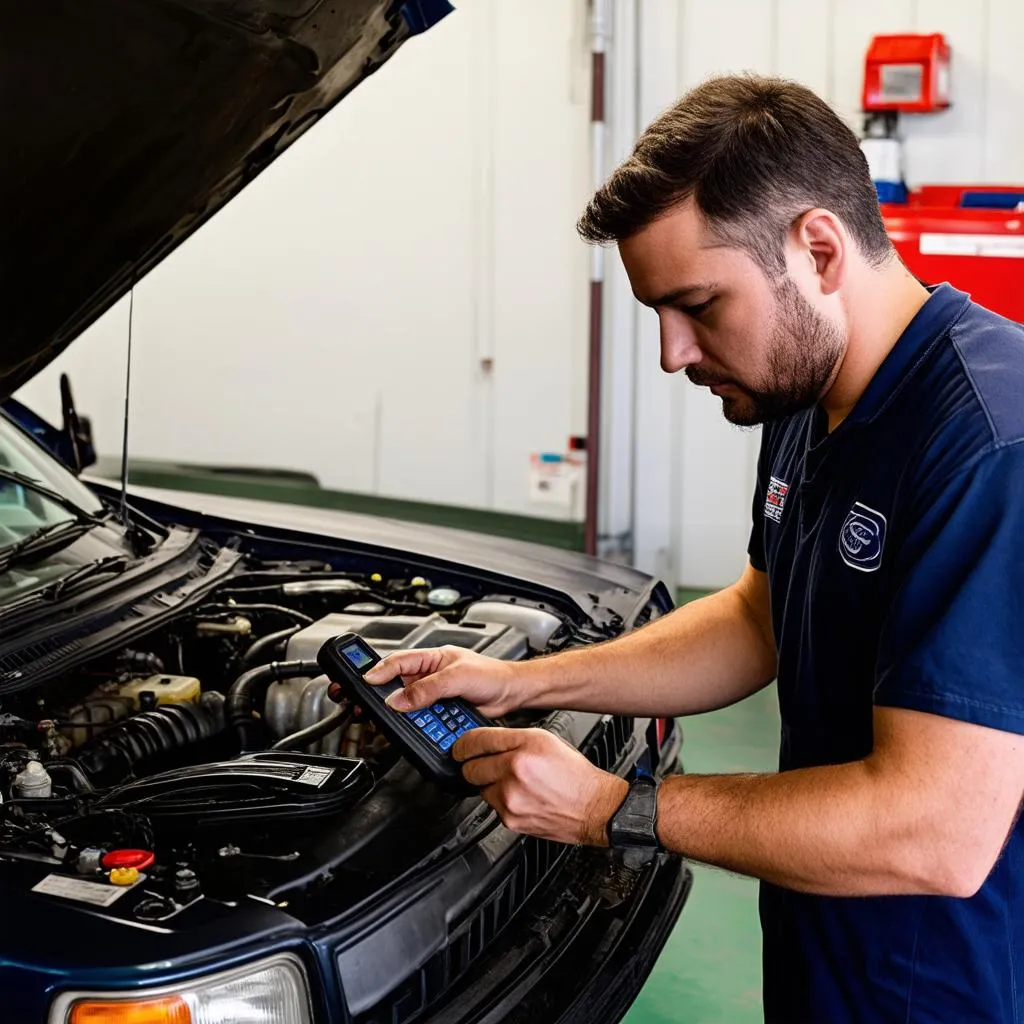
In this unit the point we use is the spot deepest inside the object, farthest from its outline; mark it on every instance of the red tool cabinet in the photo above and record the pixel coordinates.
(969, 235)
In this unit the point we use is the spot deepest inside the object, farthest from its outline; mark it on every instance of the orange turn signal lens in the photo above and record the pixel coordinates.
(162, 1010)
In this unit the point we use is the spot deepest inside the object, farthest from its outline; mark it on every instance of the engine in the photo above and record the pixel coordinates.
(198, 743)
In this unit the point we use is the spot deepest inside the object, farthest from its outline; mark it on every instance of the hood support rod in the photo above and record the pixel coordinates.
(123, 510)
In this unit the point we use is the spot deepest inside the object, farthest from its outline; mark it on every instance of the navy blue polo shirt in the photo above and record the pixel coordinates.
(894, 549)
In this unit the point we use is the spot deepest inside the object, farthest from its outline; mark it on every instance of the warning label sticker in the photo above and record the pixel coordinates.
(313, 776)
(80, 890)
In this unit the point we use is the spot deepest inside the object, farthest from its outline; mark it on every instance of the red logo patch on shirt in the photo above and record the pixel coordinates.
(775, 502)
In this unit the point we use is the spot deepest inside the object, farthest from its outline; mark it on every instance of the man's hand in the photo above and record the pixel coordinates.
(539, 785)
(441, 673)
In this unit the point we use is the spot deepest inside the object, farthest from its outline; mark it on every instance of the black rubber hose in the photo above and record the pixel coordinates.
(268, 647)
(142, 662)
(82, 783)
(313, 732)
(251, 687)
(151, 735)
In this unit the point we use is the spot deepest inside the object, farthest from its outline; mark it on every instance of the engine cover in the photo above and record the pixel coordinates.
(398, 632)
(295, 704)
(264, 788)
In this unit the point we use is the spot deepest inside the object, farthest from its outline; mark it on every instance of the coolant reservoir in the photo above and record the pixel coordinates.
(32, 783)
(165, 689)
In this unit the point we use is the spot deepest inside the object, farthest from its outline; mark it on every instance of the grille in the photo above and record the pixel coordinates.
(605, 749)
(468, 942)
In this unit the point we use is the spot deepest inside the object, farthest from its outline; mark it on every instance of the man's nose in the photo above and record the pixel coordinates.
(679, 345)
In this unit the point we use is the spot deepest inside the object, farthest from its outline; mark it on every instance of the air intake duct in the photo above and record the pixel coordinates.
(151, 737)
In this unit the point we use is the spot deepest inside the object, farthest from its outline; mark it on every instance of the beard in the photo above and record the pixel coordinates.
(804, 349)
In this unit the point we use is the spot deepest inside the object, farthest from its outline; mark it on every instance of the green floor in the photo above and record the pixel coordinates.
(710, 971)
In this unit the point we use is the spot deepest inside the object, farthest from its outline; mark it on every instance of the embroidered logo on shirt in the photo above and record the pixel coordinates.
(776, 499)
(862, 538)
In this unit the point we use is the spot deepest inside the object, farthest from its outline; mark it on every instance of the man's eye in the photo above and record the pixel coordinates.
(699, 309)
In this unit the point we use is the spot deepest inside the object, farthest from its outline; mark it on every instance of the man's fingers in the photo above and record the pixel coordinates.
(401, 663)
(426, 691)
(480, 742)
(485, 771)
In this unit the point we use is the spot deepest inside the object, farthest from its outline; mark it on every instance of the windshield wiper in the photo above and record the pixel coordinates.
(51, 533)
(44, 538)
(31, 484)
(112, 564)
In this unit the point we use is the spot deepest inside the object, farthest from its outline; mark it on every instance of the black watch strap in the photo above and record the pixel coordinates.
(634, 825)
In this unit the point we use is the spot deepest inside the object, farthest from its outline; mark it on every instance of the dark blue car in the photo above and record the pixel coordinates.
(191, 830)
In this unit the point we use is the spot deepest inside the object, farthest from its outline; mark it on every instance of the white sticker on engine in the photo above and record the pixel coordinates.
(315, 776)
(79, 889)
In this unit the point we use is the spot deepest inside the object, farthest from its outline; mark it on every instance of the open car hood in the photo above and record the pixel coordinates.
(127, 123)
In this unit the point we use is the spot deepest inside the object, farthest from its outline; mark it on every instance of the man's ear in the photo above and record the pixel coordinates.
(822, 248)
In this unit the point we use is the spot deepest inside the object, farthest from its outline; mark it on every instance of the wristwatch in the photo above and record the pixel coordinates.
(632, 829)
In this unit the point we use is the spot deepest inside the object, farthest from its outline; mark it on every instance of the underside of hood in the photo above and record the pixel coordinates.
(127, 123)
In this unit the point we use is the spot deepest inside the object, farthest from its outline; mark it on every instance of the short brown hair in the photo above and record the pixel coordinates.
(754, 153)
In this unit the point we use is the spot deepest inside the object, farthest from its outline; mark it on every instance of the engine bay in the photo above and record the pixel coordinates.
(207, 758)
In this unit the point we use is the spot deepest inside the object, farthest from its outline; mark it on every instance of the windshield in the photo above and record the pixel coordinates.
(22, 511)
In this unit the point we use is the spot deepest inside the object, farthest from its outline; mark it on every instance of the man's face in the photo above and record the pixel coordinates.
(756, 342)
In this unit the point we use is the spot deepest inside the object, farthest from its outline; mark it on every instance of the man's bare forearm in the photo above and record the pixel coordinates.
(705, 655)
(841, 830)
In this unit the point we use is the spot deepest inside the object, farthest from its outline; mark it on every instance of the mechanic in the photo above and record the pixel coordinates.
(883, 589)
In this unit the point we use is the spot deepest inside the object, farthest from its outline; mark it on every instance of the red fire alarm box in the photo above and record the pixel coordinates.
(908, 73)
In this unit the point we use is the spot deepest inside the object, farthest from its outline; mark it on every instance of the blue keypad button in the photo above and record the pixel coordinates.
(438, 708)
(447, 742)
(462, 730)
(470, 724)
(428, 717)
(420, 721)
(460, 718)
(437, 731)
(444, 716)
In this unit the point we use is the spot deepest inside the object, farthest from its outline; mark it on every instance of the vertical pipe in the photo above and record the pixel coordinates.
(599, 29)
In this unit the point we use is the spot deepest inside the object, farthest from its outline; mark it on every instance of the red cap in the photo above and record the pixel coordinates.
(138, 859)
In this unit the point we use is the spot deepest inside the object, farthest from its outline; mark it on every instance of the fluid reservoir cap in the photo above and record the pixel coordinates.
(443, 597)
(138, 860)
(124, 876)
(376, 577)
(417, 581)
(32, 782)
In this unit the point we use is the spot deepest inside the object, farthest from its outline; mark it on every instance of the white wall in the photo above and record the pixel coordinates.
(339, 315)
(697, 532)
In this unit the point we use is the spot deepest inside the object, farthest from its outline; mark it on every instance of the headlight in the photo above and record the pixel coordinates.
(272, 991)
